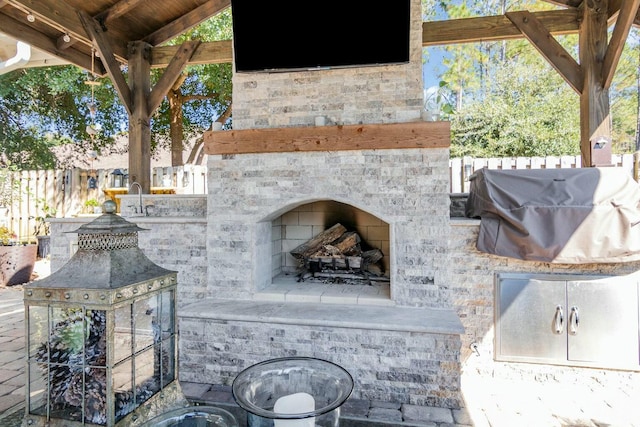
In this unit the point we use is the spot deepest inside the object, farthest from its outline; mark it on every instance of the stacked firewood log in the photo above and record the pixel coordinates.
(336, 254)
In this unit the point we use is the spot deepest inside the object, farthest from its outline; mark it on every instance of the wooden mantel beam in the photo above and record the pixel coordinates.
(329, 138)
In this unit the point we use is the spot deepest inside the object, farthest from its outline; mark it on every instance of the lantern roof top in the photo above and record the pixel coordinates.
(109, 222)
(108, 258)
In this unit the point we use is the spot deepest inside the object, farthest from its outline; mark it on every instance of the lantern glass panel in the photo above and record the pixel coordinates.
(167, 316)
(123, 333)
(146, 322)
(167, 352)
(123, 388)
(147, 374)
(67, 363)
(37, 390)
(38, 328)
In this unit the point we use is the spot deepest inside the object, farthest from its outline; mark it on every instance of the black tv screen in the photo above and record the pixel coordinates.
(287, 35)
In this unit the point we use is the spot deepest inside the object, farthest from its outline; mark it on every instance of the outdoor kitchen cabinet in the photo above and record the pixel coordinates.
(570, 320)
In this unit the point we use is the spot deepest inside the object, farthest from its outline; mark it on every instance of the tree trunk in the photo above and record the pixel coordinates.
(176, 130)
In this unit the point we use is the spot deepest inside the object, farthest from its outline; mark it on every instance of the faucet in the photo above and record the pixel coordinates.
(139, 195)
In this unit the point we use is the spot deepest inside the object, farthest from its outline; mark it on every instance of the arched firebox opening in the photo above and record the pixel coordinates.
(327, 251)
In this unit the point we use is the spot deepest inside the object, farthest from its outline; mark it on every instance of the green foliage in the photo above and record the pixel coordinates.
(523, 113)
(9, 189)
(46, 211)
(205, 93)
(41, 108)
(6, 236)
(510, 102)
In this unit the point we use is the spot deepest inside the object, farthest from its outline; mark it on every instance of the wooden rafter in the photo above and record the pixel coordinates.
(23, 32)
(103, 45)
(171, 74)
(566, 3)
(189, 20)
(60, 15)
(118, 9)
(549, 47)
(621, 30)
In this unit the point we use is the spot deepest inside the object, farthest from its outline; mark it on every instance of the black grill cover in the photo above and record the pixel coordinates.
(573, 216)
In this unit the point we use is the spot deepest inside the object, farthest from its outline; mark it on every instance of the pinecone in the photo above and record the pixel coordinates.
(72, 345)
(95, 409)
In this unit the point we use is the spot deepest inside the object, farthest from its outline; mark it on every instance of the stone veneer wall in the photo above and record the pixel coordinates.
(407, 189)
(174, 238)
(403, 367)
(472, 287)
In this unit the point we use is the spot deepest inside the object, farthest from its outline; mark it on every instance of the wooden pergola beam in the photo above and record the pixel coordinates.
(626, 17)
(139, 118)
(118, 9)
(595, 121)
(103, 45)
(549, 47)
(20, 31)
(218, 52)
(171, 74)
(470, 30)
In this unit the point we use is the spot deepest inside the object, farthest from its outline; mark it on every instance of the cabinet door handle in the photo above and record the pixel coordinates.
(574, 320)
(559, 320)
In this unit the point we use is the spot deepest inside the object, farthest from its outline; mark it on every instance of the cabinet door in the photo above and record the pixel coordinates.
(603, 321)
(530, 319)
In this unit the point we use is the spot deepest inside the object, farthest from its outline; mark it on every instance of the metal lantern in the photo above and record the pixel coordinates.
(101, 333)
(92, 183)
(117, 178)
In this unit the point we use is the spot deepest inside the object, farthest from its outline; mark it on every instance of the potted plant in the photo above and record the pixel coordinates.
(17, 259)
(42, 227)
(92, 206)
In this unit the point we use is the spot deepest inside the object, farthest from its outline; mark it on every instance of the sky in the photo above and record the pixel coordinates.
(432, 67)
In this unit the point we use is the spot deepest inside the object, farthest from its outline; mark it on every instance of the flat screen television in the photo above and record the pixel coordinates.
(290, 35)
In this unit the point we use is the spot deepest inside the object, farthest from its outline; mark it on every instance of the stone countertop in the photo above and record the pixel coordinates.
(396, 318)
(82, 219)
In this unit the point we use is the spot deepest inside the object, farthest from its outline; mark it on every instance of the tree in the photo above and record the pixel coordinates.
(523, 113)
(515, 104)
(200, 96)
(41, 108)
(44, 108)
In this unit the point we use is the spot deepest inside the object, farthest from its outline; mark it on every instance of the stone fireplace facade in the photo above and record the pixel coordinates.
(401, 342)
(404, 192)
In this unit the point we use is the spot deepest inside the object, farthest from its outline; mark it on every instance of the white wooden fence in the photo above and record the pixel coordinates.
(462, 168)
(66, 191)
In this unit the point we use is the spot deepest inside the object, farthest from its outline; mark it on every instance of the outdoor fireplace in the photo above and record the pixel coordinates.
(276, 181)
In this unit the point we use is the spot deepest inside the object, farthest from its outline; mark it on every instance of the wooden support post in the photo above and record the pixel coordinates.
(140, 118)
(595, 121)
